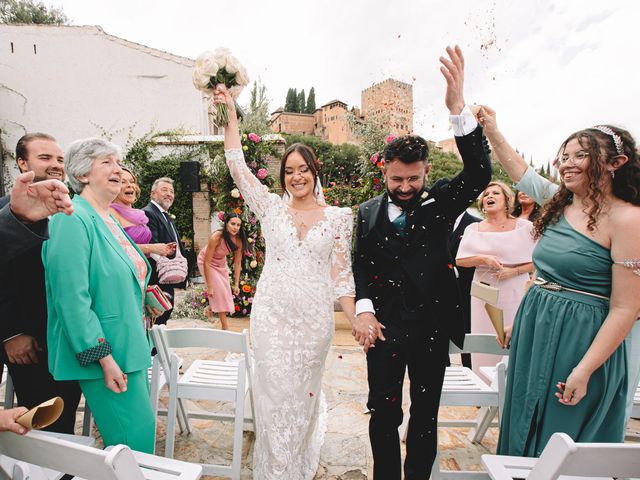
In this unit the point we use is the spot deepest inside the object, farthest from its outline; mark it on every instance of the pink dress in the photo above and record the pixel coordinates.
(222, 300)
(512, 248)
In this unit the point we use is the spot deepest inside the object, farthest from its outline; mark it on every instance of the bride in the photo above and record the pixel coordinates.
(308, 264)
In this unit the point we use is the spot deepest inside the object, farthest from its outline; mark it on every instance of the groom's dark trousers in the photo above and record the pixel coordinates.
(412, 283)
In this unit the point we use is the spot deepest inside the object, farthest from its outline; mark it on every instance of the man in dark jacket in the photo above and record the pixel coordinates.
(23, 307)
(408, 302)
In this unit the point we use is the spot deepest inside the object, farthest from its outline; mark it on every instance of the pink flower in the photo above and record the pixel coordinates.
(374, 158)
(221, 216)
(389, 138)
(254, 138)
(262, 173)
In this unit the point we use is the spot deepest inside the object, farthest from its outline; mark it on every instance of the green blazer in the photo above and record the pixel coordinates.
(94, 300)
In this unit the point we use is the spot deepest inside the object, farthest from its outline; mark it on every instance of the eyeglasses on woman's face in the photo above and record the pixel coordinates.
(575, 159)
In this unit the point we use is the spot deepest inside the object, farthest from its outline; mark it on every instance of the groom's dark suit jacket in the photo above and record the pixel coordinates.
(161, 232)
(416, 274)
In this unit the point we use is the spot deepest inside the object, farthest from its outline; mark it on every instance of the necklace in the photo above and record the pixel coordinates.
(499, 225)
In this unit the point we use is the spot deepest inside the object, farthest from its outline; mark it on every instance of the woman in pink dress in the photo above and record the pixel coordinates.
(500, 248)
(212, 263)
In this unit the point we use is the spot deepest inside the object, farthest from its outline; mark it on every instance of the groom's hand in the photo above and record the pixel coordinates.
(453, 70)
(366, 330)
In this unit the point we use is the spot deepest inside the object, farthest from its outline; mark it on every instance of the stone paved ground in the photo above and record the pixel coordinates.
(346, 454)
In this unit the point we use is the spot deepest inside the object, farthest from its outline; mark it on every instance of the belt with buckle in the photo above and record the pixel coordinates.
(556, 287)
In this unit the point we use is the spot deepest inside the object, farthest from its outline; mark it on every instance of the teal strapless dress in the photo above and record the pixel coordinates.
(552, 332)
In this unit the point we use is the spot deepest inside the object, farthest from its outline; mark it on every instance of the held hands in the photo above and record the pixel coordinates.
(492, 262)
(8, 420)
(114, 378)
(575, 388)
(163, 249)
(31, 202)
(366, 330)
(506, 273)
(22, 350)
(453, 71)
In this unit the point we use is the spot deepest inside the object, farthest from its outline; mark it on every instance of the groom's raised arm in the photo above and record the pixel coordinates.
(473, 147)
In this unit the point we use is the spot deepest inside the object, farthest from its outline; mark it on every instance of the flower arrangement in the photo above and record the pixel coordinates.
(229, 199)
(243, 301)
(193, 304)
(371, 171)
(213, 68)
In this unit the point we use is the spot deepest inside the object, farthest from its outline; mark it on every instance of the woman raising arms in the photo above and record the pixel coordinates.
(569, 331)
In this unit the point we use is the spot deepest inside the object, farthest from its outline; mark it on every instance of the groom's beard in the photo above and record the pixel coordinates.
(408, 203)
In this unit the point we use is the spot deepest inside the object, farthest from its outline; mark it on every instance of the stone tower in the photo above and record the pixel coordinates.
(389, 103)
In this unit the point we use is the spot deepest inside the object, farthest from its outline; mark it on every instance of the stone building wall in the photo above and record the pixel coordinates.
(289, 122)
(391, 103)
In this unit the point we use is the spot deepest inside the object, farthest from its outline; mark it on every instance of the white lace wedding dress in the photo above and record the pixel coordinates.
(307, 265)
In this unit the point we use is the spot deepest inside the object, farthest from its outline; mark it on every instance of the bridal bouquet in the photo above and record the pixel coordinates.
(217, 67)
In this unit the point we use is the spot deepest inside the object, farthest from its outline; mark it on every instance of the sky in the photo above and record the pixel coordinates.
(548, 68)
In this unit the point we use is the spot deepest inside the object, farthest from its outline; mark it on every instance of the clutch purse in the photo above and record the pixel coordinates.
(156, 301)
(485, 292)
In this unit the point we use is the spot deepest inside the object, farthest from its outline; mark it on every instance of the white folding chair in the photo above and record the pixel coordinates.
(463, 388)
(635, 410)
(562, 456)
(226, 381)
(8, 388)
(46, 457)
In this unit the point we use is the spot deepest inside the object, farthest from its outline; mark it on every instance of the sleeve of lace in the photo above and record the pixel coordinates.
(341, 272)
(253, 191)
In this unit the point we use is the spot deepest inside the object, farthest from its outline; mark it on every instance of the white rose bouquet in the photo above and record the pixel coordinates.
(217, 67)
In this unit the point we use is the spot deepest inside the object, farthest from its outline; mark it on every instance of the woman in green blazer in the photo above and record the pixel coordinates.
(96, 279)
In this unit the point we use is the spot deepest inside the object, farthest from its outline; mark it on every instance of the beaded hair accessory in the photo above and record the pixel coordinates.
(634, 265)
(617, 141)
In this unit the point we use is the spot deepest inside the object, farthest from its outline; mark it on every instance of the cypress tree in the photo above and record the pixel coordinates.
(301, 102)
(290, 102)
(311, 101)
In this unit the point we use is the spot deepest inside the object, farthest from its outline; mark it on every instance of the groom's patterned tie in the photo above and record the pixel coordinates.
(400, 224)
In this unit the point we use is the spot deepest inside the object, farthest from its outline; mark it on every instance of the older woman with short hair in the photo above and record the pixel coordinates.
(96, 279)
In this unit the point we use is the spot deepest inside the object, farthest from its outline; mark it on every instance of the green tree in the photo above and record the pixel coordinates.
(311, 101)
(291, 103)
(31, 11)
(256, 118)
(301, 107)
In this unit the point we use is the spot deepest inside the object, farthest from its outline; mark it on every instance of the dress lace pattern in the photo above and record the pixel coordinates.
(292, 326)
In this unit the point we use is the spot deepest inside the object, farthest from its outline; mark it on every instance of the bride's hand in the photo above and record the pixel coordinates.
(221, 95)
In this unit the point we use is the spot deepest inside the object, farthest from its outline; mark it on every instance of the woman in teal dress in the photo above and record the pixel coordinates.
(568, 364)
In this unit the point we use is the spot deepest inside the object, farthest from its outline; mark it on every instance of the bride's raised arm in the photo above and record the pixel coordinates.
(253, 191)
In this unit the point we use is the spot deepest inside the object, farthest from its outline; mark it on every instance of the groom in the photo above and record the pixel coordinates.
(408, 302)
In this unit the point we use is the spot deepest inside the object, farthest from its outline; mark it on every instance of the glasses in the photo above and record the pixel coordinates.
(575, 159)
